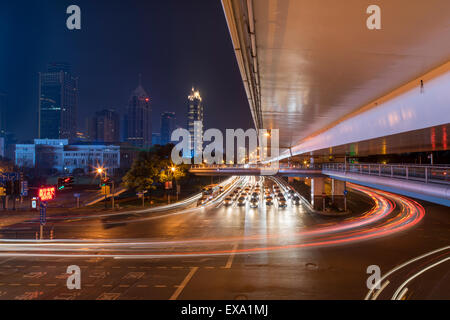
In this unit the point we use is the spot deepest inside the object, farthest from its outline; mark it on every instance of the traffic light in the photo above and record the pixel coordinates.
(105, 182)
(65, 183)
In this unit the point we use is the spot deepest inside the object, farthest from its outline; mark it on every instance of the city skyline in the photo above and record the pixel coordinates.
(171, 60)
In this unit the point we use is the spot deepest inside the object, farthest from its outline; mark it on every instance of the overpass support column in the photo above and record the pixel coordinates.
(337, 193)
(318, 194)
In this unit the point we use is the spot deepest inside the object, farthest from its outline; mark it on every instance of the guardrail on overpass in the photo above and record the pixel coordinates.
(256, 170)
(427, 174)
(429, 183)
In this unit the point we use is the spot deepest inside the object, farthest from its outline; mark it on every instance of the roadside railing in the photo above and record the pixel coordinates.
(255, 166)
(427, 174)
(422, 173)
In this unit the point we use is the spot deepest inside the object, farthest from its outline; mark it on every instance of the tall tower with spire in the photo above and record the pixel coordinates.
(139, 115)
(195, 114)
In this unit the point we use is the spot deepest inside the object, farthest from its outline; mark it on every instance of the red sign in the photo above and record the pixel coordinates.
(168, 185)
(46, 194)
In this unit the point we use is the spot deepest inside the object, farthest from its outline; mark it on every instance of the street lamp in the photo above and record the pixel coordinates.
(100, 171)
(172, 169)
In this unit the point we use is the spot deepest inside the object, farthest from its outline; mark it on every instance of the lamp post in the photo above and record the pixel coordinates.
(100, 171)
(174, 169)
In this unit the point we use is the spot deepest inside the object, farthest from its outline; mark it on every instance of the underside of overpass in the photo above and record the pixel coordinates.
(313, 70)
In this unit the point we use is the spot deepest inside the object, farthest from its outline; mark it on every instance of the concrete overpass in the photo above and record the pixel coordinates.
(429, 183)
(313, 70)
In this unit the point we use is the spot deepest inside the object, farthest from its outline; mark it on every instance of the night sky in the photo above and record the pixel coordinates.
(174, 44)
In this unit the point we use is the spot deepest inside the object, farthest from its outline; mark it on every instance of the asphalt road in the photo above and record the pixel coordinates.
(220, 252)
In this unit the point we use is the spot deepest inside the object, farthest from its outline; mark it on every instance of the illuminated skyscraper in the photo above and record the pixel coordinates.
(58, 100)
(195, 114)
(139, 114)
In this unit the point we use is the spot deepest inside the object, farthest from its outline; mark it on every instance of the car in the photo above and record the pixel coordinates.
(255, 194)
(280, 195)
(236, 191)
(269, 201)
(296, 200)
(241, 201)
(282, 203)
(254, 203)
(228, 201)
(202, 200)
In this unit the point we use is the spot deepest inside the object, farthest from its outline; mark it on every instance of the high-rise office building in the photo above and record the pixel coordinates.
(168, 125)
(105, 127)
(139, 118)
(3, 108)
(124, 127)
(58, 100)
(195, 114)
(156, 138)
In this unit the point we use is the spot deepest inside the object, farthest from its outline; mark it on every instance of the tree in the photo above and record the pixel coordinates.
(152, 167)
(143, 173)
(170, 172)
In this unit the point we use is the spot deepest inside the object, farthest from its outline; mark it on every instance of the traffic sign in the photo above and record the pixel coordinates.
(106, 190)
(47, 193)
(76, 195)
(24, 188)
(43, 213)
(34, 203)
(345, 192)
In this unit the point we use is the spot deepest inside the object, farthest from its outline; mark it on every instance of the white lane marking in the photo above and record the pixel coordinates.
(375, 296)
(184, 283)
(230, 259)
(395, 296)
(367, 297)
(402, 294)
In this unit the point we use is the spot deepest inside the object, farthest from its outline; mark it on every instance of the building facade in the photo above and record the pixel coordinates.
(105, 127)
(139, 119)
(168, 125)
(195, 115)
(58, 100)
(58, 155)
(156, 138)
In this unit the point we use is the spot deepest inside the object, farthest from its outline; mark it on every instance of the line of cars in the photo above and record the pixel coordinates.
(252, 194)
(282, 197)
(242, 195)
(209, 193)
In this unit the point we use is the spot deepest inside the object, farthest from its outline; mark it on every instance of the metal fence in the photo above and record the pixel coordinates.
(427, 174)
